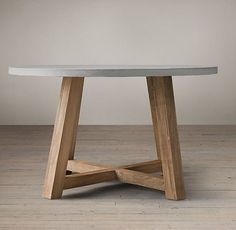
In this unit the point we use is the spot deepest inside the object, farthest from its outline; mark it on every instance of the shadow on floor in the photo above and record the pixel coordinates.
(113, 190)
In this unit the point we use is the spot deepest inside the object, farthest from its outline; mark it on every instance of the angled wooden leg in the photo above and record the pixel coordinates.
(153, 112)
(166, 134)
(64, 135)
(72, 147)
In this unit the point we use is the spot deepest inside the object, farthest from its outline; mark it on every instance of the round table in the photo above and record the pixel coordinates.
(65, 172)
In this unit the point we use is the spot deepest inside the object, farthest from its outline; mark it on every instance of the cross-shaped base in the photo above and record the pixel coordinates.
(82, 173)
(63, 172)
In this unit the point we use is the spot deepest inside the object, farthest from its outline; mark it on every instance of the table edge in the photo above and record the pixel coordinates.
(47, 72)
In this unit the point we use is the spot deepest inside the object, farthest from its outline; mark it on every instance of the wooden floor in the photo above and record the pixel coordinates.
(209, 164)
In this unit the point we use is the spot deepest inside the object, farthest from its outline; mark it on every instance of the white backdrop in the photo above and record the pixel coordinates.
(118, 32)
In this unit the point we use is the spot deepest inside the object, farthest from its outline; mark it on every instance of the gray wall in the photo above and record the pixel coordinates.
(118, 32)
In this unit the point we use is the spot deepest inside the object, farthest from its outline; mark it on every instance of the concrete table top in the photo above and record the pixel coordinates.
(111, 70)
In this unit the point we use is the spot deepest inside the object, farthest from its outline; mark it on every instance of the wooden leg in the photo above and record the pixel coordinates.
(72, 148)
(64, 135)
(153, 112)
(166, 134)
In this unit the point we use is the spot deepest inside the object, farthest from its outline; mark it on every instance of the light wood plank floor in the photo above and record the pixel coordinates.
(209, 163)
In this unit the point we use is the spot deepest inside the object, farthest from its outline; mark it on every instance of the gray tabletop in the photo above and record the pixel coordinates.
(111, 70)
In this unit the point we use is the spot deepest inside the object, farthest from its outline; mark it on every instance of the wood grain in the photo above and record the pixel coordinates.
(139, 178)
(64, 136)
(152, 100)
(82, 166)
(79, 166)
(88, 178)
(88, 173)
(166, 135)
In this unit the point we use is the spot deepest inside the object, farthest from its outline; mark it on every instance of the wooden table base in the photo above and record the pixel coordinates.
(84, 173)
(63, 172)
